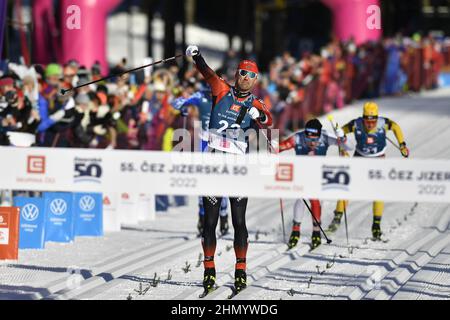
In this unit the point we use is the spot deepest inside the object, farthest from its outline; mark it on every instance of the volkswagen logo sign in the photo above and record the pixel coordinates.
(58, 207)
(87, 203)
(30, 212)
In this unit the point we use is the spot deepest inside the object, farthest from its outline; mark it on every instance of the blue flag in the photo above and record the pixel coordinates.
(59, 217)
(32, 222)
(88, 214)
(162, 203)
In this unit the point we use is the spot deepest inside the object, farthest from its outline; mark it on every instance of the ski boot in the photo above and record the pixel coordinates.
(240, 280)
(209, 281)
(295, 236)
(376, 229)
(200, 225)
(336, 221)
(224, 226)
(316, 240)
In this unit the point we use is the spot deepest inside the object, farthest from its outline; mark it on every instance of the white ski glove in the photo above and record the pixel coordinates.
(192, 51)
(340, 133)
(254, 113)
(58, 115)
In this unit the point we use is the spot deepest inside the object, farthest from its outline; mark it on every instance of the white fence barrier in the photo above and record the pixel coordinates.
(111, 218)
(262, 176)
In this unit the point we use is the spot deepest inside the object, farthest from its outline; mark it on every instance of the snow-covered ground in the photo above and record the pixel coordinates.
(413, 264)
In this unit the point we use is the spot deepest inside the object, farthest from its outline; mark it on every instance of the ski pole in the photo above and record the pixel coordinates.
(317, 222)
(64, 91)
(282, 220)
(393, 143)
(281, 200)
(346, 224)
(330, 118)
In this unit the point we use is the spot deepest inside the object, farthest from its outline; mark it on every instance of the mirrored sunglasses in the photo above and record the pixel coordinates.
(250, 74)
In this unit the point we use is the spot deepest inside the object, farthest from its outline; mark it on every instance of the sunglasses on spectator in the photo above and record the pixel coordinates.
(251, 75)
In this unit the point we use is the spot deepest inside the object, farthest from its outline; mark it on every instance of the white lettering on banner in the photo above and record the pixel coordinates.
(252, 175)
(4, 236)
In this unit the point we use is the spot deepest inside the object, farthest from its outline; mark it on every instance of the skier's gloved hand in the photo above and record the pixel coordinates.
(184, 111)
(58, 115)
(340, 133)
(192, 51)
(404, 150)
(254, 113)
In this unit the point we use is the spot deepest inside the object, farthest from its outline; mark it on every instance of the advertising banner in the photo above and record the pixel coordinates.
(59, 217)
(128, 208)
(146, 207)
(9, 233)
(88, 214)
(111, 218)
(32, 222)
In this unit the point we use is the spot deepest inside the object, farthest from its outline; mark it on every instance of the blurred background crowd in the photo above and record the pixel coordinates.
(135, 111)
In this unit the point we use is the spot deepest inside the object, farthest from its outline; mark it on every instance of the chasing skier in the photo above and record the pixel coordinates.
(312, 141)
(370, 134)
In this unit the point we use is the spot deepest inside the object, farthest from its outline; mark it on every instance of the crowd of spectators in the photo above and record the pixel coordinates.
(135, 112)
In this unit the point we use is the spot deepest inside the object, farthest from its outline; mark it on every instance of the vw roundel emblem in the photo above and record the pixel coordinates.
(87, 203)
(30, 212)
(58, 207)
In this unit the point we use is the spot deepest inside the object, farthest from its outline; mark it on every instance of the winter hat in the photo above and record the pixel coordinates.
(53, 69)
(313, 128)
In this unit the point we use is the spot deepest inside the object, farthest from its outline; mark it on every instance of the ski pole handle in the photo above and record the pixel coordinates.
(335, 127)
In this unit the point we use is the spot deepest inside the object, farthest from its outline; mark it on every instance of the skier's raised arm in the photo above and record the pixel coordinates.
(219, 87)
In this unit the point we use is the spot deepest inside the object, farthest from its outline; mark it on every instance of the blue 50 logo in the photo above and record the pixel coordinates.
(335, 177)
(88, 170)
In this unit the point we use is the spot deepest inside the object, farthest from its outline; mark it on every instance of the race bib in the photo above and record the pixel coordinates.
(227, 145)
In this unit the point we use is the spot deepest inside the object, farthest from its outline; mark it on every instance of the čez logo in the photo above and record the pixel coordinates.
(58, 207)
(335, 177)
(87, 203)
(30, 212)
(88, 170)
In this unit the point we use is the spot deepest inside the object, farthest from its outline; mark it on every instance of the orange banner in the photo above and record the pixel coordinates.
(9, 233)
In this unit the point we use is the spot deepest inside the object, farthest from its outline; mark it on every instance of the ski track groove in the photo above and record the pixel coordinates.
(354, 222)
(263, 209)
